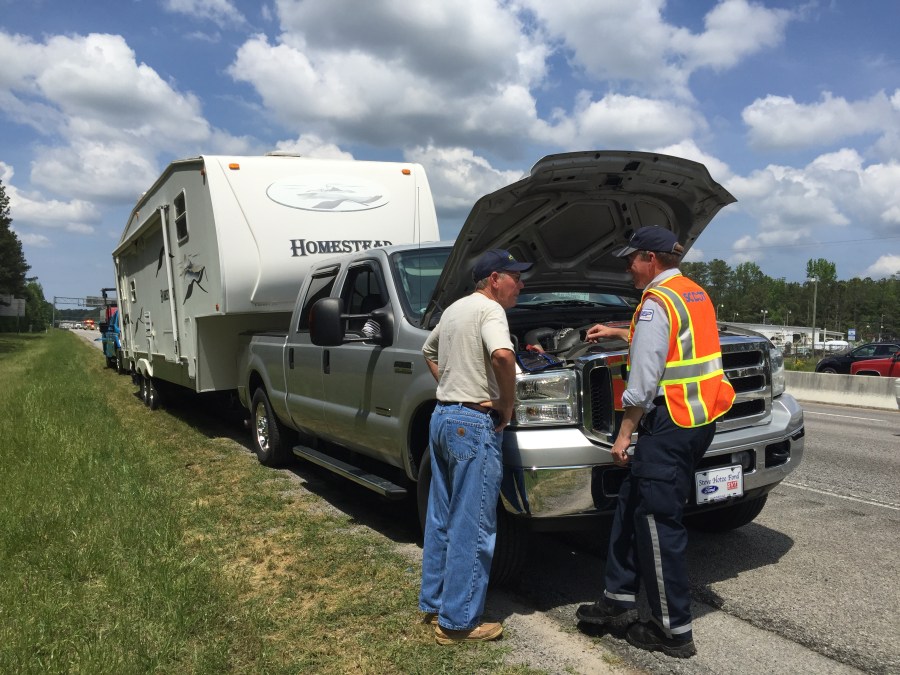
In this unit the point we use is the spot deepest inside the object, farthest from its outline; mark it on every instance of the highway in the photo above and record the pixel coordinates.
(810, 587)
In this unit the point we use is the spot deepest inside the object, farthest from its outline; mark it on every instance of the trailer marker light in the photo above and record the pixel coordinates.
(405, 172)
(234, 166)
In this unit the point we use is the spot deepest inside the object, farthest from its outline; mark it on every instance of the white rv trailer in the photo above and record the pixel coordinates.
(220, 245)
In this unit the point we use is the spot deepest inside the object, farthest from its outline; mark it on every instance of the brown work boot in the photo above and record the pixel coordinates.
(481, 633)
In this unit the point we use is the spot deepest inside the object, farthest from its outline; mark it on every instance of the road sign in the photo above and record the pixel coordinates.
(851, 334)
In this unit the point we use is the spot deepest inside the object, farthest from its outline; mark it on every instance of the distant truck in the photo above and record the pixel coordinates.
(344, 384)
(219, 245)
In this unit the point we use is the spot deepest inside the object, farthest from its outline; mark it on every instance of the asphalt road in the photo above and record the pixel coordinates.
(810, 587)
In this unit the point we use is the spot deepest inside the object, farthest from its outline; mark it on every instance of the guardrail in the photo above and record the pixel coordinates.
(857, 390)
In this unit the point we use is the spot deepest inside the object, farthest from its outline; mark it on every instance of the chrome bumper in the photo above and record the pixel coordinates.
(540, 480)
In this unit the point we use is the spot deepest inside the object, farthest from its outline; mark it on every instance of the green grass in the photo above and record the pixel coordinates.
(134, 541)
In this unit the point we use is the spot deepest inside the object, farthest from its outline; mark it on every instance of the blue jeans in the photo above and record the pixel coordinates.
(461, 526)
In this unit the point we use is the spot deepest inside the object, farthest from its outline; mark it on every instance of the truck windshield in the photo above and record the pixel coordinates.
(417, 273)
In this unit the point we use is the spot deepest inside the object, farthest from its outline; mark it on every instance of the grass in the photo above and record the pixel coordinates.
(134, 541)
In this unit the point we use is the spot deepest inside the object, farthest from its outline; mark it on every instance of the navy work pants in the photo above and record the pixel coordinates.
(648, 542)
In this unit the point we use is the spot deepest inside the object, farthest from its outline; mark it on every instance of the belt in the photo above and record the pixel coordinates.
(471, 406)
(659, 400)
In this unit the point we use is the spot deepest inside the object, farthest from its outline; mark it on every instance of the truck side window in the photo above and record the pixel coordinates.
(362, 294)
(319, 287)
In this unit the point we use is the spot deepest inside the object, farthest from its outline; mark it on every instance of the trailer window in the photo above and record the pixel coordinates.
(319, 287)
(132, 290)
(181, 224)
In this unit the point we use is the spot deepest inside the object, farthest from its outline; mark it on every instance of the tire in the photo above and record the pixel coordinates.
(828, 369)
(153, 396)
(728, 517)
(144, 384)
(512, 535)
(270, 437)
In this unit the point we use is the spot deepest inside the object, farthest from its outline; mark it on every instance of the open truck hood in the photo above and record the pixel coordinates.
(572, 211)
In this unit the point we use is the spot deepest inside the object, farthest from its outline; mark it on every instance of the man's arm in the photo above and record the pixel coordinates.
(630, 421)
(433, 367)
(503, 361)
(598, 331)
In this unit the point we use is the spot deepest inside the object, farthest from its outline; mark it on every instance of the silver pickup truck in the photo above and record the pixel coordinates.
(346, 386)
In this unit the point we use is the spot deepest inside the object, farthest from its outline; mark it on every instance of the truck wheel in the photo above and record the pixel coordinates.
(269, 435)
(512, 536)
(828, 369)
(727, 518)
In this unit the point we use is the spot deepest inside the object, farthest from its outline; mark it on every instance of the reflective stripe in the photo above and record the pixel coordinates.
(685, 333)
(621, 597)
(657, 563)
(698, 369)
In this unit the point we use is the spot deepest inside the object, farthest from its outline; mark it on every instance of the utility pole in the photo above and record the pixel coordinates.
(815, 281)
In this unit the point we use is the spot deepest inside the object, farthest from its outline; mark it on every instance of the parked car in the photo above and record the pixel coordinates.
(885, 367)
(840, 363)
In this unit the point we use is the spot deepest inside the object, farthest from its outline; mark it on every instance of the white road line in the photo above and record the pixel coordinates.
(892, 507)
(847, 417)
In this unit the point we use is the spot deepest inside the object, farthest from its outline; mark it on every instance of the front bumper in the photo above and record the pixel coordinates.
(560, 474)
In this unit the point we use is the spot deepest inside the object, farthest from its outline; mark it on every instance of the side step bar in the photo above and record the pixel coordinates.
(378, 484)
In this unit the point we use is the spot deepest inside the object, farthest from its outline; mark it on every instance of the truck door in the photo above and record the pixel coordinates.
(303, 361)
(358, 412)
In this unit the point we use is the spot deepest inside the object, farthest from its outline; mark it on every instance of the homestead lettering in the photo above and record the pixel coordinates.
(304, 247)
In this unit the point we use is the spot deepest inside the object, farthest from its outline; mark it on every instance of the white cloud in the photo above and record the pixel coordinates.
(34, 240)
(310, 145)
(780, 122)
(885, 266)
(458, 177)
(32, 210)
(390, 74)
(221, 12)
(630, 41)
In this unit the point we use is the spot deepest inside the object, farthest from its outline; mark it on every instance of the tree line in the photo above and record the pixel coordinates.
(14, 278)
(744, 294)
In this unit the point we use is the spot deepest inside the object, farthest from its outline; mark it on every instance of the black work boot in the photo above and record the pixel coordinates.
(604, 613)
(649, 636)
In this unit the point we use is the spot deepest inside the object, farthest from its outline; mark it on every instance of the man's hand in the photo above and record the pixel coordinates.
(600, 331)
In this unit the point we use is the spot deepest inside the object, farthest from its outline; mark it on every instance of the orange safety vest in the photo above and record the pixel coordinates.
(694, 382)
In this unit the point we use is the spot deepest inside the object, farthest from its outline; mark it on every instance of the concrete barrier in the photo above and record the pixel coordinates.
(857, 390)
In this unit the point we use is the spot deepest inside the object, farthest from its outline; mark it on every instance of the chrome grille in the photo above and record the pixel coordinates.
(746, 364)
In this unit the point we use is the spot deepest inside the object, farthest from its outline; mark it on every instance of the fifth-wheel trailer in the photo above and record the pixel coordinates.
(219, 246)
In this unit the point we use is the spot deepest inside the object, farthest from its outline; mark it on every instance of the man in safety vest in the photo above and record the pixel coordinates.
(676, 390)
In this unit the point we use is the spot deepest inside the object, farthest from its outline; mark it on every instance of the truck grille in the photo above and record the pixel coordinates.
(746, 366)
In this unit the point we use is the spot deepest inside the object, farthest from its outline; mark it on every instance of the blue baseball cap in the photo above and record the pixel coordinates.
(649, 238)
(497, 260)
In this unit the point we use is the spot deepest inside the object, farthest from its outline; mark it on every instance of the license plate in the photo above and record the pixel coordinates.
(717, 484)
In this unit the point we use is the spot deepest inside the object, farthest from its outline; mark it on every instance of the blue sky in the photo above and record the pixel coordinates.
(793, 106)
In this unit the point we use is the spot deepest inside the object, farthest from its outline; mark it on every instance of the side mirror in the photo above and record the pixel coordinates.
(896, 356)
(385, 318)
(326, 329)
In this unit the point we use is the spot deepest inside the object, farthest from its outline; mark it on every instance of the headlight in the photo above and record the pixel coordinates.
(549, 398)
(777, 360)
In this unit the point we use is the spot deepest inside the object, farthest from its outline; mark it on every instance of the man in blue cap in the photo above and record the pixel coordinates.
(471, 356)
(676, 390)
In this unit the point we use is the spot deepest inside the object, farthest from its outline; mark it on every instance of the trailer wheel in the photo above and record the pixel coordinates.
(144, 384)
(512, 535)
(153, 395)
(727, 518)
(270, 437)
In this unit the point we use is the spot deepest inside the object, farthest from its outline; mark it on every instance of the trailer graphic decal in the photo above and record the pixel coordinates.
(328, 193)
(193, 273)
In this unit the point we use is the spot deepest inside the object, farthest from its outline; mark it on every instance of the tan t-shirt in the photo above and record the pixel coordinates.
(470, 330)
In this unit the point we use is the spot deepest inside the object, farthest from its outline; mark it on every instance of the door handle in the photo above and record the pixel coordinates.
(291, 358)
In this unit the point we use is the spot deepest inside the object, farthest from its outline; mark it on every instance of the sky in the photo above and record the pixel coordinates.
(794, 107)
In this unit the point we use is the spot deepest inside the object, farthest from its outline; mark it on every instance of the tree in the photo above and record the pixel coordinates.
(12, 260)
(38, 312)
(825, 271)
